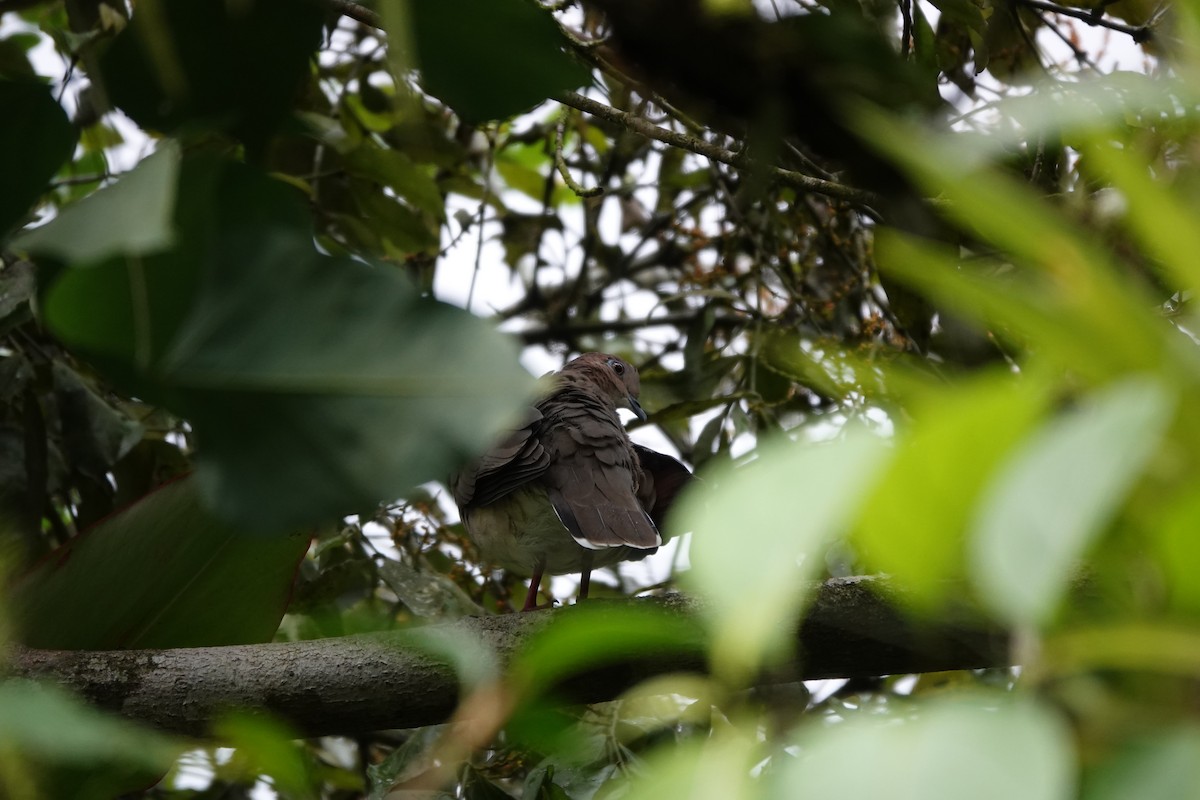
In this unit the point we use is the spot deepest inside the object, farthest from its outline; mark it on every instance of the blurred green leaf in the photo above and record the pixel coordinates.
(43, 721)
(969, 13)
(161, 69)
(914, 523)
(1178, 549)
(597, 633)
(491, 59)
(1092, 298)
(983, 748)
(1056, 493)
(1046, 314)
(409, 759)
(760, 536)
(161, 573)
(1160, 766)
(1160, 218)
(317, 386)
(716, 769)
(264, 747)
(131, 217)
(397, 171)
(35, 139)
(95, 435)
(1149, 647)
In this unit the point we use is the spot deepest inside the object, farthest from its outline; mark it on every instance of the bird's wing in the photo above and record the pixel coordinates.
(663, 478)
(593, 475)
(518, 459)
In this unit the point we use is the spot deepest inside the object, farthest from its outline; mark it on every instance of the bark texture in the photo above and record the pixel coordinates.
(353, 684)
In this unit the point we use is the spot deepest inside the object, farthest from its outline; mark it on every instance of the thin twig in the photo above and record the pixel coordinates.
(561, 162)
(1139, 33)
(708, 150)
(483, 203)
(542, 335)
(356, 11)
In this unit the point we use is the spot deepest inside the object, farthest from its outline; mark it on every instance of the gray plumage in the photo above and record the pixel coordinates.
(566, 491)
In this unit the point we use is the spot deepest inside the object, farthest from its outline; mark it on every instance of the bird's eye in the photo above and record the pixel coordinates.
(617, 366)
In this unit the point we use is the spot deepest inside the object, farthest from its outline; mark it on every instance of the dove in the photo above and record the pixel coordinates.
(567, 491)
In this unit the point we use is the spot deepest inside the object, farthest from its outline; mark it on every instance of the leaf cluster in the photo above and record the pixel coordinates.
(901, 320)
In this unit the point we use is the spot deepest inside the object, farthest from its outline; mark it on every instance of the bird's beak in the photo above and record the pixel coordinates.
(636, 408)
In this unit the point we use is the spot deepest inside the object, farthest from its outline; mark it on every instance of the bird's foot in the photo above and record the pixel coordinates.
(539, 606)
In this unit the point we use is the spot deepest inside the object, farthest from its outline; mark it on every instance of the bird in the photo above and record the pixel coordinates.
(567, 491)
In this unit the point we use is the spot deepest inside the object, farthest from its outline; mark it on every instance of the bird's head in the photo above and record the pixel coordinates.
(613, 378)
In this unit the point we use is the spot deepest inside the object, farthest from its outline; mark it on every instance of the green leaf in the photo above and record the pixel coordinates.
(162, 573)
(914, 523)
(594, 634)
(397, 171)
(44, 722)
(981, 748)
(1160, 766)
(316, 386)
(761, 534)
(319, 386)
(1093, 298)
(1057, 492)
(403, 230)
(35, 139)
(211, 64)
(1051, 315)
(1160, 218)
(1178, 549)
(95, 435)
(491, 59)
(265, 746)
(130, 217)
(406, 761)
(716, 769)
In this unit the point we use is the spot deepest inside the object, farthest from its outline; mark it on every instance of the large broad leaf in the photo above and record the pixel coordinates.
(913, 526)
(1058, 317)
(1162, 765)
(983, 749)
(35, 139)
(319, 385)
(162, 573)
(131, 217)
(210, 63)
(1078, 297)
(490, 59)
(1055, 495)
(316, 386)
(88, 754)
(712, 769)
(761, 535)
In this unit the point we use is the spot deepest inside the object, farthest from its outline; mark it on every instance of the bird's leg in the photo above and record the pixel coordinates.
(585, 574)
(535, 583)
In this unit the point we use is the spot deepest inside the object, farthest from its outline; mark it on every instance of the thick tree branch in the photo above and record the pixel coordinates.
(361, 683)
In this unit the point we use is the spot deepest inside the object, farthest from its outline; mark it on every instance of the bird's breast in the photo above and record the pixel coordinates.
(514, 531)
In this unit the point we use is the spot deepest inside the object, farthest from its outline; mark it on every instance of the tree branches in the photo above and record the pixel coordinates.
(700, 147)
(361, 683)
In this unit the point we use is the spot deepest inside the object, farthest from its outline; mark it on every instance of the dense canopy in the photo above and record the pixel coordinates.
(910, 285)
